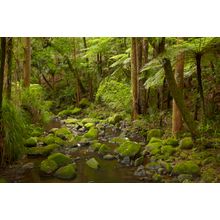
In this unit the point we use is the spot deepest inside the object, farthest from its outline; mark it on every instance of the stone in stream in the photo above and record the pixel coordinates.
(126, 160)
(28, 166)
(60, 159)
(48, 166)
(31, 142)
(93, 163)
(66, 172)
(140, 171)
(108, 157)
(186, 143)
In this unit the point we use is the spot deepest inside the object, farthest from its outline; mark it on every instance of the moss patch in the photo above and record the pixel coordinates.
(31, 142)
(154, 133)
(66, 172)
(92, 133)
(60, 159)
(128, 148)
(186, 167)
(48, 166)
(93, 163)
(186, 143)
(171, 141)
(69, 112)
(209, 175)
(41, 151)
(168, 150)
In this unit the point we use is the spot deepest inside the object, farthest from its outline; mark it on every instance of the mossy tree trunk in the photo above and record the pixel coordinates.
(27, 61)
(177, 122)
(178, 97)
(134, 78)
(9, 62)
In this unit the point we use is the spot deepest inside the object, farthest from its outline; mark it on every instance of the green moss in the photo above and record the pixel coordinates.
(37, 131)
(64, 133)
(48, 166)
(41, 151)
(186, 167)
(157, 178)
(92, 133)
(96, 146)
(168, 150)
(209, 160)
(185, 178)
(154, 148)
(139, 161)
(119, 140)
(152, 166)
(89, 125)
(51, 139)
(31, 142)
(84, 102)
(155, 140)
(171, 141)
(66, 172)
(89, 120)
(93, 163)
(104, 149)
(70, 121)
(115, 119)
(167, 166)
(69, 112)
(157, 133)
(60, 159)
(128, 148)
(209, 175)
(186, 143)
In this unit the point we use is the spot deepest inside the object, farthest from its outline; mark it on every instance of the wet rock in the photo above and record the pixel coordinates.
(186, 143)
(48, 166)
(60, 159)
(41, 151)
(93, 163)
(28, 166)
(108, 157)
(140, 171)
(139, 161)
(66, 172)
(126, 160)
(31, 142)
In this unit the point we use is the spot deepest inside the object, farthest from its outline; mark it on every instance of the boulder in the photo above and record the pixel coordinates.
(93, 163)
(128, 148)
(157, 133)
(92, 133)
(171, 141)
(186, 143)
(66, 172)
(48, 166)
(168, 150)
(31, 142)
(108, 157)
(60, 159)
(41, 151)
(186, 167)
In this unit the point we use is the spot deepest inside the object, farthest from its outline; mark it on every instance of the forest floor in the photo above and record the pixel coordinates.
(78, 148)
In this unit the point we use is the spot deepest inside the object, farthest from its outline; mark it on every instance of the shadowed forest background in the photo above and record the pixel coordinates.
(108, 109)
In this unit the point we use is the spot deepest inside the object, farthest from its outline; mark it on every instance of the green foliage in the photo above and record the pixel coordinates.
(115, 95)
(15, 127)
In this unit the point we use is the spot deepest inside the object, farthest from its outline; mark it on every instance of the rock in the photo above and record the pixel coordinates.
(48, 166)
(168, 150)
(28, 166)
(96, 146)
(186, 143)
(108, 157)
(71, 121)
(171, 141)
(140, 171)
(126, 160)
(157, 178)
(51, 139)
(186, 167)
(92, 133)
(185, 177)
(153, 166)
(93, 163)
(115, 119)
(31, 142)
(128, 148)
(154, 133)
(139, 161)
(155, 140)
(69, 112)
(154, 148)
(64, 133)
(84, 102)
(41, 151)
(119, 140)
(66, 172)
(89, 125)
(89, 120)
(209, 175)
(60, 159)
(104, 149)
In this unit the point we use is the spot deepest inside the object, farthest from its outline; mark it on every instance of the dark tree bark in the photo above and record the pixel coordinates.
(9, 62)
(27, 62)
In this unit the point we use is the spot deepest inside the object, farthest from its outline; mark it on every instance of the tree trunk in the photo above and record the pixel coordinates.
(177, 122)
(27, 62)
(134, 78)
(9, 62)
(178, 97)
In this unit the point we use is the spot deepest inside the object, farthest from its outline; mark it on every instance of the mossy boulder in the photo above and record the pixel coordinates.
(48, 166)
(69, 112)
(168, 150)
(209, 160)
(60, 159)
(157, 133)
(171, 141)
(128, 148)
(209, 175)
(93, 163)
(119, 140)
(104, 149)
(70, 121)
(89, 125)
(185, 178)
(51, 139)
(92, 133)
(41, 151)
(66, 172)
(64, 133)
(84, 102)
(186, 167)
(139, 161)
(155, 140)
(115, 119)
(153, 166)
(154, 148)
(37, 131)
(31, 142)
(186, 143)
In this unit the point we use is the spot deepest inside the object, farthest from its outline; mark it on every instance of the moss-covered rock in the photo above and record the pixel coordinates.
(185, 178)
(128, 148)
(119, 140)
(168, 150)
(64, 133)
(171, 141)
(70, 121)
(31, 142)
(93, 163)
(153, 166)
(48, 166)
(157, 178)
(51, 139)
(104, 149)
(92, 133)
(66, 172)
(84, 102)
(115, 119)
(155, 140)
(157, 133)
(96, 145)
(209, 175)
(89, 125)
(209, 160)
(186, 143)
(41, 151)
(69, 112)
(89, 120)
(186, 167)
(108, 157)
(154, 148)
(60, 159)
(139, 161)
(37, 131)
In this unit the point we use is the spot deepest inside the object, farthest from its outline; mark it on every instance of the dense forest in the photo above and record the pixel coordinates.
(104, 109)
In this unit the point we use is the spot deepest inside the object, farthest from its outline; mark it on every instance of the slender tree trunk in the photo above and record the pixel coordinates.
(178, 97)
(9, 61)
(177, 122)
(27, 62)
(134, 78)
